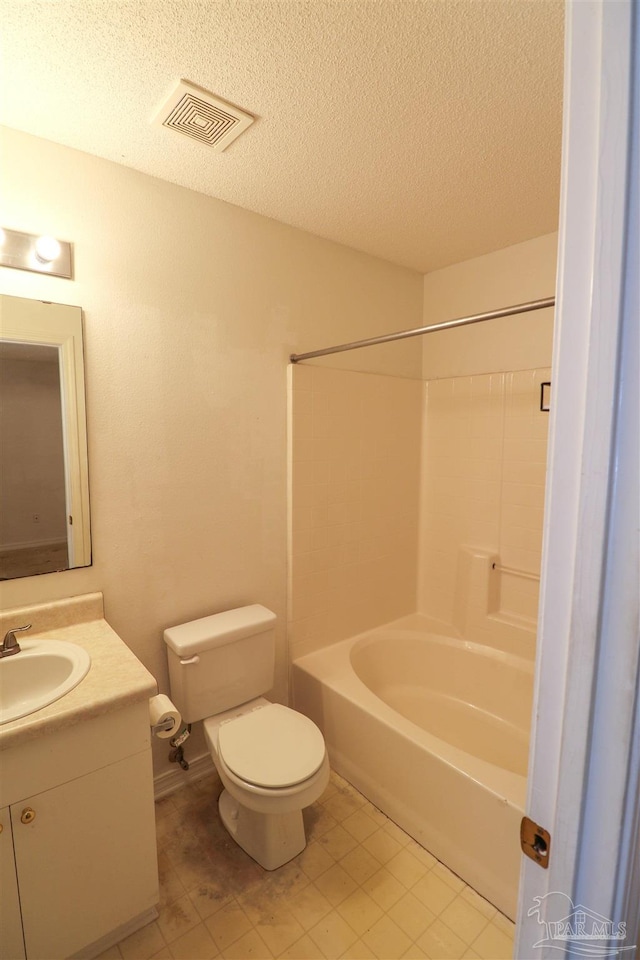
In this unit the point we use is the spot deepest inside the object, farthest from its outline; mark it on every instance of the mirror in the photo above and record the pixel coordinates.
(44, 482)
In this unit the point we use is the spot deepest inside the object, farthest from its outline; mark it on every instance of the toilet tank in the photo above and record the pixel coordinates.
(221, 661)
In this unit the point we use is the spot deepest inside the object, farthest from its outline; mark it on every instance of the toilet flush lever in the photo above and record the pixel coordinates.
(195, 659)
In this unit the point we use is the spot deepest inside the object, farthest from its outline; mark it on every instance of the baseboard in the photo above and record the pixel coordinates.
(31, 544)
(98, 947)
(170, 781)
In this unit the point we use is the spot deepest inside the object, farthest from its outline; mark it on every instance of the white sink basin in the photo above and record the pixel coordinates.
(42, 672)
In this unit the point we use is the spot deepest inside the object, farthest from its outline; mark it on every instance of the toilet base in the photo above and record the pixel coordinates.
(271, 839)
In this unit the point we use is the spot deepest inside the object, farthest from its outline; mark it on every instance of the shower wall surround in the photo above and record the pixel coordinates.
(391, 478)
(354, 503)
(483, 475)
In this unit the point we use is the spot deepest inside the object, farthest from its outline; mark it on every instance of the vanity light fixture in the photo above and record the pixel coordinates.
(40, 254)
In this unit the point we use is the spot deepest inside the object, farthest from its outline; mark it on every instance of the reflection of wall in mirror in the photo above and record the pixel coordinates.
(32, 479)
(44, 494)
(32, 482)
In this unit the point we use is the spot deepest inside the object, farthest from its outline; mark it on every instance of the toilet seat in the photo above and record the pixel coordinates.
(272, 746)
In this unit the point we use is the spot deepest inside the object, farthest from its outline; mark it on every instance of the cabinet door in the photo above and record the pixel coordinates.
(86, 857)
(11, 942)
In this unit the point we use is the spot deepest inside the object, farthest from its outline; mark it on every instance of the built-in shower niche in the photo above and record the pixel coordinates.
(479, 613)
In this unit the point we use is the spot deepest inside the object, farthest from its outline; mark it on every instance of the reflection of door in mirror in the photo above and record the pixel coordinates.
(33, 527)
(44, 507)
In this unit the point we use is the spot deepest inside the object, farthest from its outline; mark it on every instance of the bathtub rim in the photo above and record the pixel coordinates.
(328, 664)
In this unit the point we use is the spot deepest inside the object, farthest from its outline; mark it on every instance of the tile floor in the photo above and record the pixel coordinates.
(361, 888)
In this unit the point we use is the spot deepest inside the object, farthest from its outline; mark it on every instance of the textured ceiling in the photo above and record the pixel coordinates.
(422, 131)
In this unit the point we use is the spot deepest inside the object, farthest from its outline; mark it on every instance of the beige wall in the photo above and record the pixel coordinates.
(191, 307)
(354, 500)
(525, 271)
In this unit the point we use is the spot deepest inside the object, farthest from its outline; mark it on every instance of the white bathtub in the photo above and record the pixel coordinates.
(433, 730)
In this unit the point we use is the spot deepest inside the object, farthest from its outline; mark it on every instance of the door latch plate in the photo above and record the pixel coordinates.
(535, 842)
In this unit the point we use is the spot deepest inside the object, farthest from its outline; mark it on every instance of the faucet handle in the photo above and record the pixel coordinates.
(9, 638)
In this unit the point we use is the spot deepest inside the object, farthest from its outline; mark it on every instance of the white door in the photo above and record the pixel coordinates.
(584, 771)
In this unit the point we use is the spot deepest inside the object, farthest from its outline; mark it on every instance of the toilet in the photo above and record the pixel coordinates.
(272, 760)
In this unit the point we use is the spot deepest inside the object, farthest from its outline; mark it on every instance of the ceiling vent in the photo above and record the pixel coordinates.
(198, 114)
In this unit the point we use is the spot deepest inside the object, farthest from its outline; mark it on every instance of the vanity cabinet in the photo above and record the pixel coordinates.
(83, 829)
(10, 919)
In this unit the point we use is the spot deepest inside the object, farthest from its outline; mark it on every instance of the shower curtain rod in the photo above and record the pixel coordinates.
(418, 331)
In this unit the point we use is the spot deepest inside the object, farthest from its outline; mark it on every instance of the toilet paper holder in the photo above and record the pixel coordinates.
(163, 727)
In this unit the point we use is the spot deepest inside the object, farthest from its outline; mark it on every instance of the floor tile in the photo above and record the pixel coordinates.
(394, 831)
(382, 846)
(337, 842)
(309, 906)
(360, 911)
(384, 888)
(360, 825)
(280, 931)
(208, 898)
(411, 915)
(406, 868)
(142, 944)
(386, 939)
(314, 860)
(197, 942)
(317, 821)
(303, 949)
(360, 864)
(439, 870)
(335, 884)
(358, 951)
(361, 889)
(479, 903)
(440, 941)
(341, 805)
(376, 815)
(421, 854)
(227, 925)
(248, 946)
(503, 923)
(415, 953)
(177, 917)
(493, 944)
(464, 919)
(433, 892)
(333, 935)
(171, 887)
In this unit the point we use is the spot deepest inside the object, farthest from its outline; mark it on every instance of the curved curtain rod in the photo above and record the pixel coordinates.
(418, 331)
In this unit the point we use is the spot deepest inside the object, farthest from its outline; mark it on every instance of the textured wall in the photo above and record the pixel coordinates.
(191, 307)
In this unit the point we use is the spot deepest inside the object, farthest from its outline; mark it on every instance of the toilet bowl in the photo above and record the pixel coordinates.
(272, 760)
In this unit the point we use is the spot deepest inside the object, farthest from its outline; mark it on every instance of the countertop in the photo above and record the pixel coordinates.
(116, 677)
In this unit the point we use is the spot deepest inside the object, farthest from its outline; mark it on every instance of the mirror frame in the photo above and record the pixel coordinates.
(60, 325)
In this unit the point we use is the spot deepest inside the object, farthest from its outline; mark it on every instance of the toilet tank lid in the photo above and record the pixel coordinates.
(187, 639)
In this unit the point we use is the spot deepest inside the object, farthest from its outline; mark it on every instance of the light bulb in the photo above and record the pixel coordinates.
(47, 249)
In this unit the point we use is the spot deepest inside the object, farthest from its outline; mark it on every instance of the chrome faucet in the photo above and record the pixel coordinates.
(10, 645)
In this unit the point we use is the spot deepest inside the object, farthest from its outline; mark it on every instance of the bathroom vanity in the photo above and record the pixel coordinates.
(78, 867)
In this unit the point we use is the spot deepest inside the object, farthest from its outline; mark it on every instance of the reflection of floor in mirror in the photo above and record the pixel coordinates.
(28, 561)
